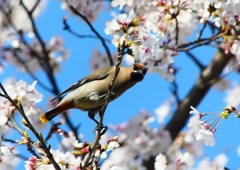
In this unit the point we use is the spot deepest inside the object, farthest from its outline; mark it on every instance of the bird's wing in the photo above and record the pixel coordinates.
(97, 75)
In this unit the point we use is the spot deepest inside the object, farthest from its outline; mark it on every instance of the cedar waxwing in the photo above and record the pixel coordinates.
(89, 94)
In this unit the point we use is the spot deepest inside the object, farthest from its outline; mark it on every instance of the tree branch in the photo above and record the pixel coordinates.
(95, 32)
(200, 65)
(30, 126)
(194, 97)
(203, 28)
(34, 7)
(48, 68)
(102, 111)
(198, 43)
(68, 28)
(198, 91)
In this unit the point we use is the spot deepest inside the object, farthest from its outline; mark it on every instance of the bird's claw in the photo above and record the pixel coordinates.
(102, 129)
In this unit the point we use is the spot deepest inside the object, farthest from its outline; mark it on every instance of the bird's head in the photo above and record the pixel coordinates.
(138, 72)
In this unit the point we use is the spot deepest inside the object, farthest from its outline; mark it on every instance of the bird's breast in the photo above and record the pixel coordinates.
(90, 95)
(93, 94)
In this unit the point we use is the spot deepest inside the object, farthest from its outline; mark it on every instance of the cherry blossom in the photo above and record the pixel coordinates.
(26, 59)
(182, 162)
(232, 97)
(124, 20)
(3, 118)
(222, 85)
(160, 162)
(121, 3)
(112, 144)
(99, 60)
(155, 33)
(204, 134)
(116, 168)
(195, 120)
(18, 17)
(218, 163)
(148, 44)
(27, 95)
(89, 8)
(164, 110)
(65, 161)
(69, 141)
(235, 49)
(6, 151)
(142, 139)
(119, 159)
(202, 130)
(112, 26)
(9, 162)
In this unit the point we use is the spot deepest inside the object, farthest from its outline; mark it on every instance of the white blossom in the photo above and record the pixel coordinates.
(233, 97)
(163, 110)
(6, 151)
(160, 162)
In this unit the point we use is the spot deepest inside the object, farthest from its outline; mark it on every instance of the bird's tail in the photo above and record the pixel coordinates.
(56, 111)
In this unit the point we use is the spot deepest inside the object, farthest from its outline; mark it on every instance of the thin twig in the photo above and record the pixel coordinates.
(22, 38)
(31, 74)
(198, 91)
(177, 31)
(201, 31)
(15, 126)
(197, 43)
(203, 28)
(175, 91)
(53, 129)
(31, 150)
(30, 126)
(177, 27)
(46, 57)
(8, 140)
(102, 111)
(68, 28)
(34, 7)
(95, 32)
(48, 69)
(37, 34)
(199, 64)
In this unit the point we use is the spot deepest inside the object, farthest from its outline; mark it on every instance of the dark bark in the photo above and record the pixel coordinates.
(205, 81)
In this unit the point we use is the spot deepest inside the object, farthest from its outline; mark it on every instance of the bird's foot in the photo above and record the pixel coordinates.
(102, 129)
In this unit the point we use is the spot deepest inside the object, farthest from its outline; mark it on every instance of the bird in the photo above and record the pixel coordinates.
(90, 93)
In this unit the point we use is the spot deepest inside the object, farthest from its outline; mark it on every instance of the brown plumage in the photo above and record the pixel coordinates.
(89, 94)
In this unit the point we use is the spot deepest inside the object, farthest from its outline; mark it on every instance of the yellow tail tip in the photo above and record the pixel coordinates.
(43, 118)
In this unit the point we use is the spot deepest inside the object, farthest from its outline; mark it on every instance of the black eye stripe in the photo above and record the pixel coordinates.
(136, 67)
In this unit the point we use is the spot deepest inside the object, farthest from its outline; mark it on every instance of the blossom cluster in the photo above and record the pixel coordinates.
(135, 138)
(156, 30)
(185, 161)
(99, 60)
(143, 142)
(154, 33)
(28, 57)
(27, 95)
(71, 160)
(20, 46)
(204, 130)
(89, 8)
(13, 14)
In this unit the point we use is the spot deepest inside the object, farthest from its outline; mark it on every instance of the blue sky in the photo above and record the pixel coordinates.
(148, 94)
